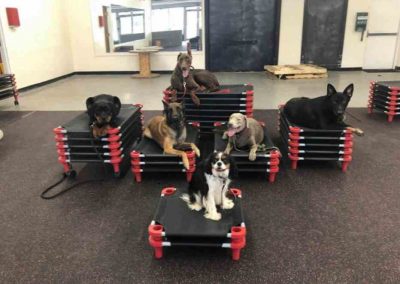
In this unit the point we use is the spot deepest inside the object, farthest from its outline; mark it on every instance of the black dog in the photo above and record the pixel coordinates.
(210, 185)
(103, 111)
(326, 112)
(186, 79)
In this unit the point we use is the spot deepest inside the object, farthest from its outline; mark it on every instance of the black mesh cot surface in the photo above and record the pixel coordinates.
(8, 87)
(384, 96)
(315, 144)
(266, 162)
(75, 143)
(174, 224)
(216, 106)
(148, 156)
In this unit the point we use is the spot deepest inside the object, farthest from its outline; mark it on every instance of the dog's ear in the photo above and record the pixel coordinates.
(165, 104)
(117, 106)
(349, 90)
(331, 90)
(207, 165)
(246, 121)
(189, 48)
(233, 170)
(180, 53)
(89, 105)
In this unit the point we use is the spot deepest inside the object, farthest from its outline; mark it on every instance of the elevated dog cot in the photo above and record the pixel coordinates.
(148, 156)
(75, 143)
(8, 87)
(384, 96)
(174, 224)
(216, 106)
(315, 144)
(267, 160)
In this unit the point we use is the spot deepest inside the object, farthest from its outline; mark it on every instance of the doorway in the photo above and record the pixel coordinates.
(323, 32)
(241, 35)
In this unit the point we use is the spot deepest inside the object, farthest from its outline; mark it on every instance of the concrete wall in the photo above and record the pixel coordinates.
(39, 49)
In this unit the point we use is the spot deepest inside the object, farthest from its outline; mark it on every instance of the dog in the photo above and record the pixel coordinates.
(325, 112)
(186, 79)
(210, 184)
(103, 111)
(243, 132)
(169, 131)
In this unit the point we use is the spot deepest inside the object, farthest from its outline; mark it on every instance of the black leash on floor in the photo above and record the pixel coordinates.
(65, 176)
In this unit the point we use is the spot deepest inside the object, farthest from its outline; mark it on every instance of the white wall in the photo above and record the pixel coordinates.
(39, 49)
(353, 47)
(398, 49)
(87, 58)
(291, 30)
(291, 27)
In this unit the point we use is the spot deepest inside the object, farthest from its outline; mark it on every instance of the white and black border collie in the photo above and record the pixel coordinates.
(210, 184)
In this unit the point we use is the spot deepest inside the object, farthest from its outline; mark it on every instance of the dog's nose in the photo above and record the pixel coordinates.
(219, 164)
(230, 124)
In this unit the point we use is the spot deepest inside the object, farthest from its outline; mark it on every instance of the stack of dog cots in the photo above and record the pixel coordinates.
(8, 87)
(268, 155)
(75, 143)
(315, 144)
(148, 156)
(385, 97)
(216, 106)
(174, 224)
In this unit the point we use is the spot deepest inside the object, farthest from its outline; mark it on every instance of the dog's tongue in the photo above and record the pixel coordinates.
(185, 73)
(231, 132)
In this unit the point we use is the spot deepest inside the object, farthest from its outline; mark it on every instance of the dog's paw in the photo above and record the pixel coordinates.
(195, 206)
(185, 162)
(197, 152)
(358, 132)
(213, 216)
(228, 204)
(252, 156)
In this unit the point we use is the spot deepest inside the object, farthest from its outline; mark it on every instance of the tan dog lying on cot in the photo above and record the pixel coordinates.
(169, 131)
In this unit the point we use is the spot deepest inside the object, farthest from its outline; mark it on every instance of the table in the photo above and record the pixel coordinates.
(144, 62)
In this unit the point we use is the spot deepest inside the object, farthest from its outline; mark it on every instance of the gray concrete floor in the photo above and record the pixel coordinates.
(71, 93)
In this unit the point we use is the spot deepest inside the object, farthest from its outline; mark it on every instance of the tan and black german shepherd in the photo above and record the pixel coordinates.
(169, 131)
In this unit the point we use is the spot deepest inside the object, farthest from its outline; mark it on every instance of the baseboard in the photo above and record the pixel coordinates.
(34, 86)
(397, 68)
(117, 72)
(346, 69)
(379, 70)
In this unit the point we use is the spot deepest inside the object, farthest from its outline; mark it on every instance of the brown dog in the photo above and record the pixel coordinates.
(188, 80)
(169, 131)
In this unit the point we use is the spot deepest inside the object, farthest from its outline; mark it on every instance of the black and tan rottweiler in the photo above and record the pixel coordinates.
(102, 110)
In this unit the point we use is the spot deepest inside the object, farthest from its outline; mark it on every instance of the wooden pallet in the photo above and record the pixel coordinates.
(302, 71)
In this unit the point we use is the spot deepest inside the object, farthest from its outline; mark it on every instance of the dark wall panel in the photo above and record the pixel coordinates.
(241, 35)
(323, 32)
